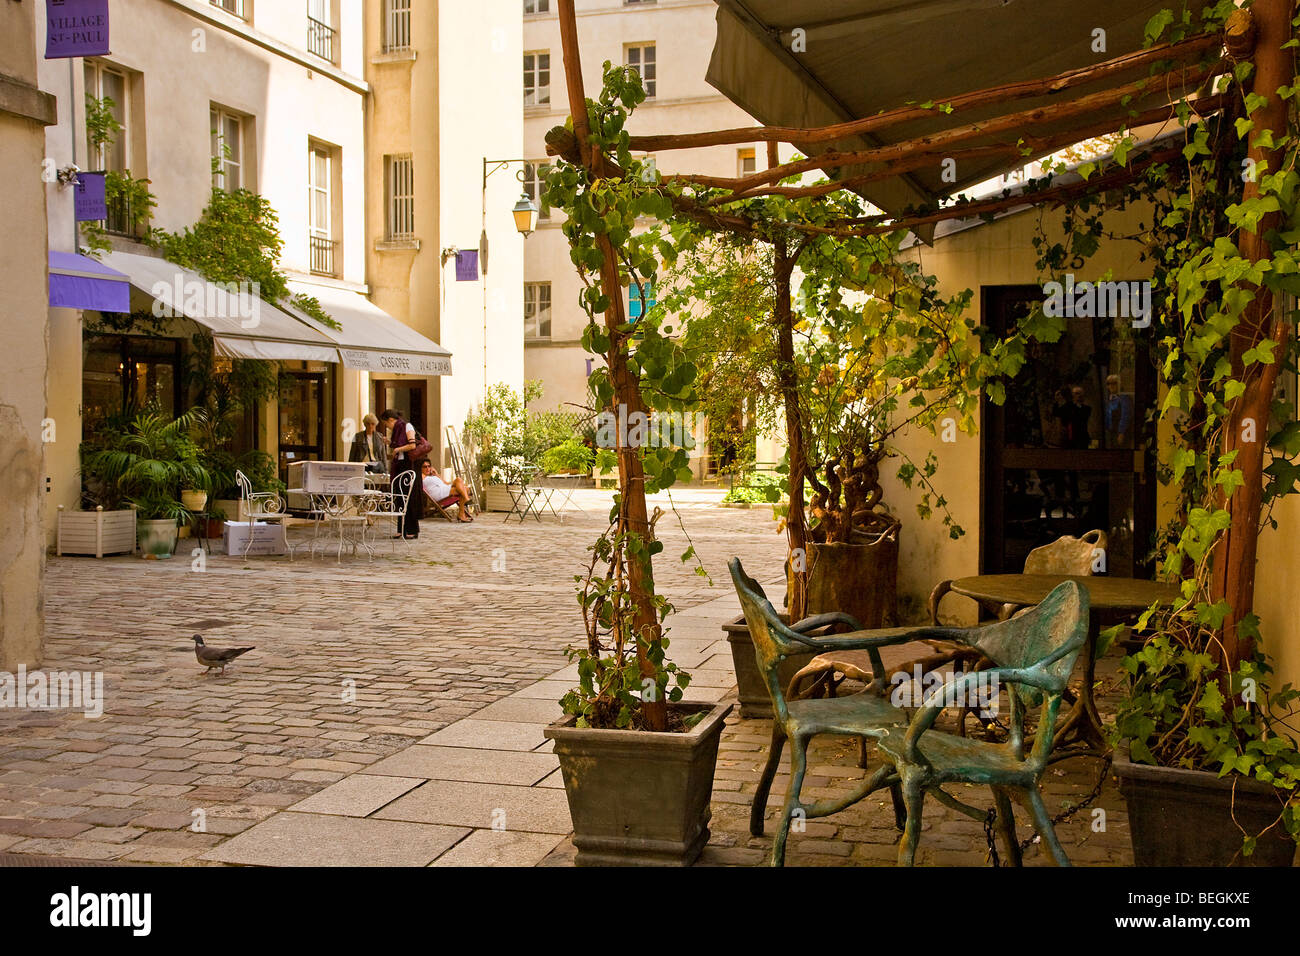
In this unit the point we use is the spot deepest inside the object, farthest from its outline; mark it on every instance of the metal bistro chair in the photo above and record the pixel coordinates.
(264, 506)
(390, 506)
(1035, 651)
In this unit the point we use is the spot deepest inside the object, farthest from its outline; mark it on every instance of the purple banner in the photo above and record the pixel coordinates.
(467, 265)
(76, 28)
(89, 198)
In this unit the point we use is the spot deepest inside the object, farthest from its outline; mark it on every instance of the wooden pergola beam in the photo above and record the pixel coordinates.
(1006, 93)
(1038, 145)
(1106, 102)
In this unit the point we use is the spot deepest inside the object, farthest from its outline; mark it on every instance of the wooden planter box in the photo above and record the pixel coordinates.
(496, 498)
(97, 532)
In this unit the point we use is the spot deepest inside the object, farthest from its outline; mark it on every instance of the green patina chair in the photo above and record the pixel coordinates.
(1034, 652)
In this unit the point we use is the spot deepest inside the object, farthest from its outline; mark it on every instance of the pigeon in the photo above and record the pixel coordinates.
(212, 657)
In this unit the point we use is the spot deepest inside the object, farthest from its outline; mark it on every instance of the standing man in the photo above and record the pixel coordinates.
(402, 440)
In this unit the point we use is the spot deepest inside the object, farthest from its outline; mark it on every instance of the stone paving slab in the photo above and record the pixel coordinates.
(544, 690)
(483, 805)
(500, 848)
(358, 795)
(308, 839)
(522, 710)
(473, 766)
(489, 735)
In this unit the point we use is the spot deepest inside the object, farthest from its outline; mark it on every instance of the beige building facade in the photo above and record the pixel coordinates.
(444, 109)
(278, 98)
(669, 42)
(25, 112)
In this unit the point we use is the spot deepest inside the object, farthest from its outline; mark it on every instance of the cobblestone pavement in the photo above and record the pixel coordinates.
(392, 711)
(466, 616)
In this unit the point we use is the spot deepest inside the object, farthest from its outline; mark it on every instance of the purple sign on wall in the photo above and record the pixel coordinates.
(467, 265)
(76, 28)
(89, 198)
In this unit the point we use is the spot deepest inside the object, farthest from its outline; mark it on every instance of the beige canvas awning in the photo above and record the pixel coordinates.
(856, 58)
(369, 338)
(242, 324)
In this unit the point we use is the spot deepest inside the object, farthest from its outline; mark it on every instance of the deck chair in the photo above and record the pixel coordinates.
(440, 507)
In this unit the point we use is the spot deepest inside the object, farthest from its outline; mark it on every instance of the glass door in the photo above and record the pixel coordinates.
(302, 418)
(1069, 450)
(406, 396)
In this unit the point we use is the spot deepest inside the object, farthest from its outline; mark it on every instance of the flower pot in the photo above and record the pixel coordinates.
(496, 498)
(1183, 817)
(157, 537)
(639, 798)
(194, 500)
(213, 527)
(755, 701)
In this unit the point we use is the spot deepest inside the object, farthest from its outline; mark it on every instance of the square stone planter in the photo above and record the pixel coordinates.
(754, 698)
(639, 798)
(1183, 817)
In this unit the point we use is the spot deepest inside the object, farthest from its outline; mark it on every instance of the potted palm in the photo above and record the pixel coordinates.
(148, 464)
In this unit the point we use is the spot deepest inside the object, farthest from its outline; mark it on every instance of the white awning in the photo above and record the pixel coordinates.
(370, 339)
(243, 325)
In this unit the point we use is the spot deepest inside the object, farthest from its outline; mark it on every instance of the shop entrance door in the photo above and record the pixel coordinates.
(1070, 449)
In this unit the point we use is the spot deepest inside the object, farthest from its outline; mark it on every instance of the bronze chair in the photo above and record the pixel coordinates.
(1036, 649)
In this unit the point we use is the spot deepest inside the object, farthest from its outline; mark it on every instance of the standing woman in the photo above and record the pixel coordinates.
(401, 439)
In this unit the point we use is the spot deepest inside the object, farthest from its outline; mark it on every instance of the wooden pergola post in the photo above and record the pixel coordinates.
(631, 476)
(1247, 428)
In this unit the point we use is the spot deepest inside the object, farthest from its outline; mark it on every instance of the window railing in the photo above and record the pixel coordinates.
(231, 6)
(121, 220)
(320, 39)
(322, 255)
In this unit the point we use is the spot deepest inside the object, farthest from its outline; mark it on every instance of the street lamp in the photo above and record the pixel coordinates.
(525, 213)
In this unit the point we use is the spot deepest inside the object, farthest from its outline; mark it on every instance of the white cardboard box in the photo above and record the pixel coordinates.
(328, 477)
(268, 538)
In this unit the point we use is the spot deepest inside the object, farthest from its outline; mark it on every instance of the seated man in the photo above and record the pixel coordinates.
(442, 493)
